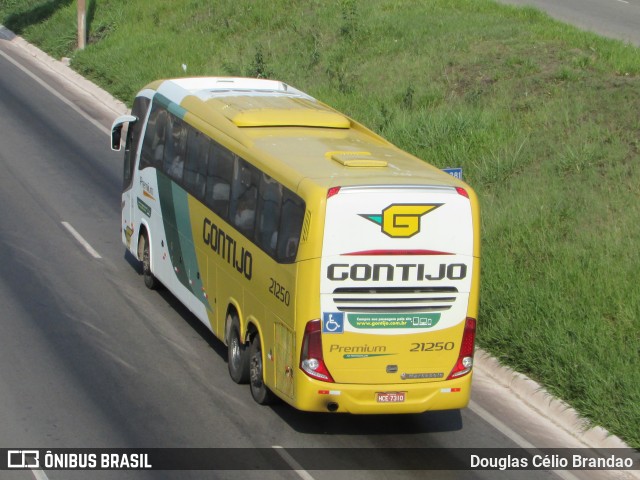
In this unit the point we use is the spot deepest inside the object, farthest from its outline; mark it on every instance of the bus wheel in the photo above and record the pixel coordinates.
(143, 252)
(237, 354)
(259, 391)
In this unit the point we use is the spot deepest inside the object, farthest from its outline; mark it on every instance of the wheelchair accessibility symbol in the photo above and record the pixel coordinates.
(332, 322)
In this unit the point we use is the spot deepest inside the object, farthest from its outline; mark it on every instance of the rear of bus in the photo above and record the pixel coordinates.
(399, 281)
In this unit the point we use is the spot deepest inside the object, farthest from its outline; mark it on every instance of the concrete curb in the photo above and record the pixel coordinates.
(526, 390)
(536, 397)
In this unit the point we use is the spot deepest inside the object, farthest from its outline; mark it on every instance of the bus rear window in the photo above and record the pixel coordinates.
(290, 227)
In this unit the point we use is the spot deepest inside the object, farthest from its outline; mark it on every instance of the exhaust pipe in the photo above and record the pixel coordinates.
(333, 407)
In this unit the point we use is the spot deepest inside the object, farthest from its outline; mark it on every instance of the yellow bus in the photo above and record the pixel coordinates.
(341, 272)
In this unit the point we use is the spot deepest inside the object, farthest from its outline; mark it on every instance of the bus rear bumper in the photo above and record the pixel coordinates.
(318, 396)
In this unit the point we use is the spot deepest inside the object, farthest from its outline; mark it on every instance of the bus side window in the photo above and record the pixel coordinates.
(269, 201)
(290, 227)
(244, 197)
(154, 138)
(195, 167)
(175, 148)
(219, 178)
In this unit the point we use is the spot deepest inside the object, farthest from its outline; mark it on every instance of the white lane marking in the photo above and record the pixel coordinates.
(622, 1)
(70, 104)
(40, 475)
(302, 473)
(56, 94)
(81, 240)
(507, 431)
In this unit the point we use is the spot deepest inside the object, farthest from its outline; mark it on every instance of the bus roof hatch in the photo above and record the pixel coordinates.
(280, 111)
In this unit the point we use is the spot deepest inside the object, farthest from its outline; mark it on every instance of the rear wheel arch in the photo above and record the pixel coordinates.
(232, 317)
(252, 329)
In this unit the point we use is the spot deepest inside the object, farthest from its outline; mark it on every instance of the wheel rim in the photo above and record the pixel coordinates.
(145, 258)
(255, 370)
(235, 352)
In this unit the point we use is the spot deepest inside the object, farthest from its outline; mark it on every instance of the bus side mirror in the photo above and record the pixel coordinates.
(116, 136)
(116, 130)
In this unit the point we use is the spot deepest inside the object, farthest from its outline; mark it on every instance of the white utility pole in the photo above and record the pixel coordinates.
(82, 24)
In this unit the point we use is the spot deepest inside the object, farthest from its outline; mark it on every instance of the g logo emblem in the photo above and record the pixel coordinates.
(402, 220)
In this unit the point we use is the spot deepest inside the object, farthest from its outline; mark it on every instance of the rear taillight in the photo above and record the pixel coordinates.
(465, 358)
(311, 358)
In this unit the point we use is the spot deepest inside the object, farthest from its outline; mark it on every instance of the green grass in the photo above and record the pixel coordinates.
(544, 119)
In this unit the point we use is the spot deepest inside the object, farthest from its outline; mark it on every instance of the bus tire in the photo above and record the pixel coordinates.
(150, 281)
(259, 391)
(237, 354)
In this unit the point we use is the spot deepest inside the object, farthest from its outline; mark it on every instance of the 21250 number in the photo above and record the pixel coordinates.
(431, 346)
(279, 292)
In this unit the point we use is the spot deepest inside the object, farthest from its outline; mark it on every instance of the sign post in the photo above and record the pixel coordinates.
(82, 24)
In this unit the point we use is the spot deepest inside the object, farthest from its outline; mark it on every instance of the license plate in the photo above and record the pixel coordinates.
(390, 397)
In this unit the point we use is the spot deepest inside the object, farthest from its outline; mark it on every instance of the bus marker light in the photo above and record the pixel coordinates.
(462, 191)
(332, 191)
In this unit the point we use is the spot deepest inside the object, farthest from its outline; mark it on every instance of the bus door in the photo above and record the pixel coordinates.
(396, 276)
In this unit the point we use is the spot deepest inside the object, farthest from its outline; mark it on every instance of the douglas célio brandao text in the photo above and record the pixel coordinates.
(568, 461)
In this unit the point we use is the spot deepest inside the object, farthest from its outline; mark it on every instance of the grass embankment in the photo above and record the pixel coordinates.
(544, 119)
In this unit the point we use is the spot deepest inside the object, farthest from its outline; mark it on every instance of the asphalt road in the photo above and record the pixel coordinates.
(91, 358)
(619, 19)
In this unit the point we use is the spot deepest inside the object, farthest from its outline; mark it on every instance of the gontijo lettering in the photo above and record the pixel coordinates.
(380, 272)
(225, 246)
